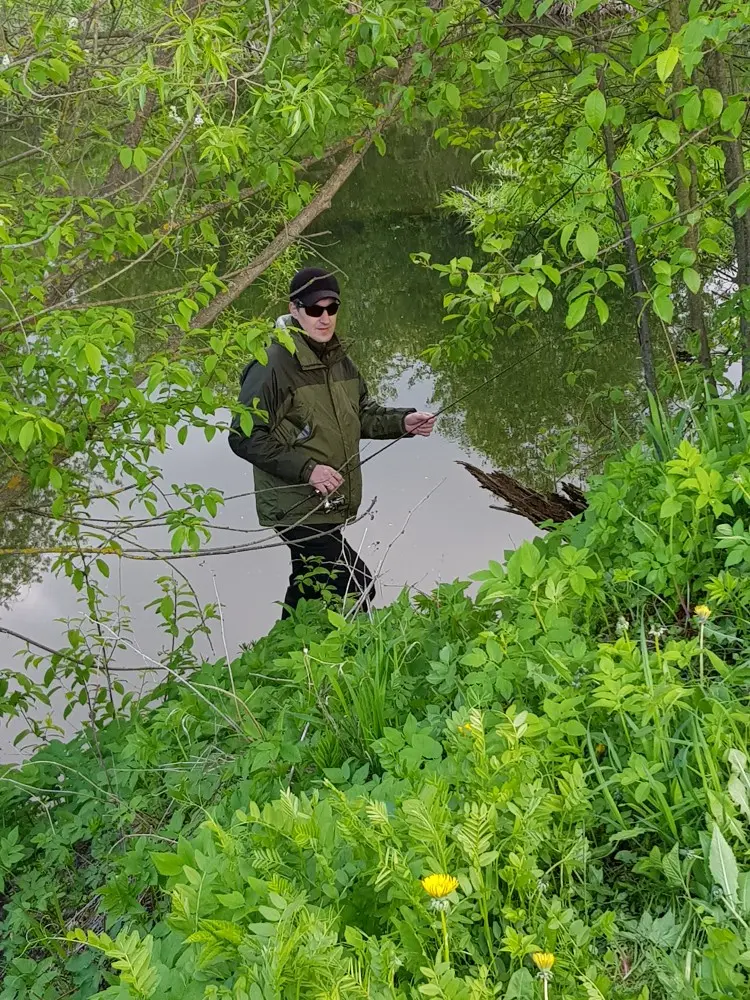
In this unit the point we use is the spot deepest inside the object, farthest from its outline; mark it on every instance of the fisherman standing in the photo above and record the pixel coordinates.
(308, 481)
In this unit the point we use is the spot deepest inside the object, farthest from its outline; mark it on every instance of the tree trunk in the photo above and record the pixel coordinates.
(734, 174)
(635, 274)
(686, 199)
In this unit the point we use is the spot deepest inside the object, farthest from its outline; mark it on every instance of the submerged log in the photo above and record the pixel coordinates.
(534, 506)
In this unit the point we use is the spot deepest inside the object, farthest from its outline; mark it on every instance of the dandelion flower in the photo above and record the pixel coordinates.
(439, 886)
(543, 960)
(703, 612)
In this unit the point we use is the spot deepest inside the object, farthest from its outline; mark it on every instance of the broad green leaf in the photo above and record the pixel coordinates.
(27, 435)
(509, 285)
(93, 357)
(664, 307)
(366, 55)
(544, 298)
(692, 279)
(272, 174)
(587, 241)
(732, 115)
(453, 96)
(723, 866)
(167, 864)
(713, 103)
(666, 62)
(140, 159)
(602, 309)
(669, 130)
(521, 986)
(126, 157)
(691, 112)
(595, 110)
(577, 310)
(567, 232)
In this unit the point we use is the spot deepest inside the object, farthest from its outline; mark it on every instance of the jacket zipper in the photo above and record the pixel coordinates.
(347, 478)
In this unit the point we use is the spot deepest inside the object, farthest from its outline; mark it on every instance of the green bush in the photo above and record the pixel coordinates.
(570, 747)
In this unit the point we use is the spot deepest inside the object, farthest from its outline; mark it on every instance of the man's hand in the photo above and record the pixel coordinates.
(325, 480)
(419, 423)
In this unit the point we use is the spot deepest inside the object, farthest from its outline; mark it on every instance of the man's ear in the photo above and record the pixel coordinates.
(294, 311)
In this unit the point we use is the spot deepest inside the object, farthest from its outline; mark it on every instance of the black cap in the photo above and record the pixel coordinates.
(312, 284)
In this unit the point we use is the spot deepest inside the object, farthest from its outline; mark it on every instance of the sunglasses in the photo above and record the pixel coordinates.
(317, 311)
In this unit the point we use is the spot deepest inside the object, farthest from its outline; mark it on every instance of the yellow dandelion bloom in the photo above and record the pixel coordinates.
(439, 886)
(703, 612)
(543, 960)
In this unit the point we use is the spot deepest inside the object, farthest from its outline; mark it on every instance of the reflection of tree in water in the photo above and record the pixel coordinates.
(518, 420)
(21, 529)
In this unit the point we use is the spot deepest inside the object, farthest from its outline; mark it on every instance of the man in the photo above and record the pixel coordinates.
(305, 454)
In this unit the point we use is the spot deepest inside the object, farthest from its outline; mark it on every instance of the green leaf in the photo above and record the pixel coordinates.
(691, 112)
(664, 307)
(27, 435)
(669, 130)
(272, 174)
(379, 142)
(366, 55)
(723, 866)
(453, 96)
(544, 298)
(140, 159)
(595, 109)
(167, 864)
(93, 357)
(521, 986)
(566, 233)
(509, 285)
(587, 241)
(692, 279)
(577, 310)
(126, 157)
(666, 62)
(732, 115)
(564, 43)
(713, 103)
(602, 309)
(475, 283)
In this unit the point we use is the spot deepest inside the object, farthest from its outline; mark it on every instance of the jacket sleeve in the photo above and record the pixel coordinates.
(260, 447)
(379, 422)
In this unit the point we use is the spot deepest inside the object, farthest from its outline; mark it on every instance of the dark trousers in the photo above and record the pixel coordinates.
(322, 559)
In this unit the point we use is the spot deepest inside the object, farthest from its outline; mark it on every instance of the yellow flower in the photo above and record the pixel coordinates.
(543, 960)
(703, 612)
(439, 886)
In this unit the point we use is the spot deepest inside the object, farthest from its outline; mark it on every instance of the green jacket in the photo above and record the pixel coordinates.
(318, 410)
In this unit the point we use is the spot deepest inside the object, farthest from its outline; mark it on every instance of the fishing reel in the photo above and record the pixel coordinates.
(334, 503)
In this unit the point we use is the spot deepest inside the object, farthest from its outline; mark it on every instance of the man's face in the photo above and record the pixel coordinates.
(321, 327)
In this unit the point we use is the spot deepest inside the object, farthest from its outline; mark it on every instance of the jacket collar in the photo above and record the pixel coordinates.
(306, 355)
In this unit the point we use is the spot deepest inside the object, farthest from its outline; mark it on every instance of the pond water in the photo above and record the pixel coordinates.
(429, 521)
